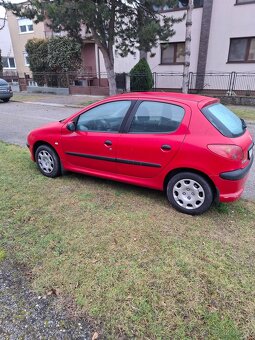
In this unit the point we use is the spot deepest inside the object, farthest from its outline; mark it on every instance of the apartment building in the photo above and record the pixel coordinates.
(223, 41)
(8, 60)
(21, 30)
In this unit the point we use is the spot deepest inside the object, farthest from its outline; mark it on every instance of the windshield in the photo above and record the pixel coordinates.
(224, 120)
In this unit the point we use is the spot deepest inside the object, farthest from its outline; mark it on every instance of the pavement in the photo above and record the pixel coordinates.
(75, 101)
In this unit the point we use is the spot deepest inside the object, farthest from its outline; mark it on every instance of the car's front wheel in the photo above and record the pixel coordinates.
(47, 161)
(189, 193)
(5, 100)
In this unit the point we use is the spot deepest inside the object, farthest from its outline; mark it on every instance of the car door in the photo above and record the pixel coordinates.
(92, 145)
(154, 134)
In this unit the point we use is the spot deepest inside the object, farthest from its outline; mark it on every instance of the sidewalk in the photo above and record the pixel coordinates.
(55, 100)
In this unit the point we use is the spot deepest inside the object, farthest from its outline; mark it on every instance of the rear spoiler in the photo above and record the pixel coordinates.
(207, 102)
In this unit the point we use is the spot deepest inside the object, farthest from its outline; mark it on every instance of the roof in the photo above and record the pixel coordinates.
(165, 95)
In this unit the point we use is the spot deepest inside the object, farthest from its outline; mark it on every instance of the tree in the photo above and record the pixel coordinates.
(37, 50)
(187, 53)
(58, 54)
(141, 78)
(124, 23)
(64, 54)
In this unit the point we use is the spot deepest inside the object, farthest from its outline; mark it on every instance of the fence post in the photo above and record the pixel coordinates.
(234, 82)
(231, 84)
(190, 81)
(155, 81)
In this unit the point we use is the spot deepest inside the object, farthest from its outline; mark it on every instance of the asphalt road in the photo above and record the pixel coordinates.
(17, 119)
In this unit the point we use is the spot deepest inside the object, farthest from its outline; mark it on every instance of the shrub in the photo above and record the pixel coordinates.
(141, 78)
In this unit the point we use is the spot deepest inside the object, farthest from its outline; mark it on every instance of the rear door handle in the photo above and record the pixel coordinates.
(165, 147)
(108, 142)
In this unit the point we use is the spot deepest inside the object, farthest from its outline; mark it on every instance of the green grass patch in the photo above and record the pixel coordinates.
(245, 112)
(2, 255)
(127, 257)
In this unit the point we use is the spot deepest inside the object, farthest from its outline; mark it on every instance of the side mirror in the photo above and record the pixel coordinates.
(71, 126)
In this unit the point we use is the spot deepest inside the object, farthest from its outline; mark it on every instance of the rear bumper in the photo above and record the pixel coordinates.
(237, 174)
(231, 186)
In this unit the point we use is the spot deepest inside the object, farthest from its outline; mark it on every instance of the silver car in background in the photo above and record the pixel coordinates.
(5, 91)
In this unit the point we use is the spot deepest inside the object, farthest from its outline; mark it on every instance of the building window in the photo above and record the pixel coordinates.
(241, 2)
(172, 53)
(8, 62)
(26, 59)
(242, 50)
(25, 25)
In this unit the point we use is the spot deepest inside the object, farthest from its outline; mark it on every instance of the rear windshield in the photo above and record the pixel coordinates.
(224, 120)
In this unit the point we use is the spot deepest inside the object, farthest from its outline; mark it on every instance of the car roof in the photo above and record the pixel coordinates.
(3, 82)
(165, 95)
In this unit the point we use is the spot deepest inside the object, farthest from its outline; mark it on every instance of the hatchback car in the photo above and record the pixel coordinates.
(190, 146)
(5, 91)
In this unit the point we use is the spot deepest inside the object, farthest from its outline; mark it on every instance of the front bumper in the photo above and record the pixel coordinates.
(5, 95)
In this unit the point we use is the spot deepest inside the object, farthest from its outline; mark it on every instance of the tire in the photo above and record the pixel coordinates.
(189, 193)
(47, 161)
(5, 100)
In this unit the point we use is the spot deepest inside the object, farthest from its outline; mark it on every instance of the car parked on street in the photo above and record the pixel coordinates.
(190, 146)
(5, 91)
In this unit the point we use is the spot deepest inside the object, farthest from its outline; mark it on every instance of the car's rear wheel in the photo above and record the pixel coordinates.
(47, 161)
(6, 100)
(189, 193)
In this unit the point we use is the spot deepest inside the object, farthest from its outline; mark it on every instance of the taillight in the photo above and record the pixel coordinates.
(233, 152)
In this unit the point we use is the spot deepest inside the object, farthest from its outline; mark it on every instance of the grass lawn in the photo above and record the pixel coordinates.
(127, 258)
(245, 112)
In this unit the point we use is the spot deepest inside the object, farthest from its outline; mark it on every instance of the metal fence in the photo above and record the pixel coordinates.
(233, 83)
(229, 83)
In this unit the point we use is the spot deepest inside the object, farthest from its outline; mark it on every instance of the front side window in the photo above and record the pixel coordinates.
(25, 25)
(104, 118)
(156, 117)
(172, 53)
(224, 120)
(242, 50)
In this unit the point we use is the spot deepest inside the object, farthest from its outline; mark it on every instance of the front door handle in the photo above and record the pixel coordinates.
(108, 142)
(165, 147)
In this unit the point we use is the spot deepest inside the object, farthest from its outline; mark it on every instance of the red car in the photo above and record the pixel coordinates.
(190, 146)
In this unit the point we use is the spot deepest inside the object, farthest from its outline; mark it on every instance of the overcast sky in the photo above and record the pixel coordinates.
(2, 10)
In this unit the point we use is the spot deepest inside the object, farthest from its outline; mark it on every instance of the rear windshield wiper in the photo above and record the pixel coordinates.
(243, 124)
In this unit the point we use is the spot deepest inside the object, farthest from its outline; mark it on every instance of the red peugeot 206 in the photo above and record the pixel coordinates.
(190, 146)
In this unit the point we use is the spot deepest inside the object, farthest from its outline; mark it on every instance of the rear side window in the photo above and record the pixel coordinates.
(224, 120)
(156, 117)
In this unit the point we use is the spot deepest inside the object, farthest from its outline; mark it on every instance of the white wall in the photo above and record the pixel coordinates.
(120, 64)
(229, 21)
(126, 64)
(179, 36)
(5, 41)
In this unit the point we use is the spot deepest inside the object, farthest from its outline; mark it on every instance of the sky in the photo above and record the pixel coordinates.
(2, 10)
